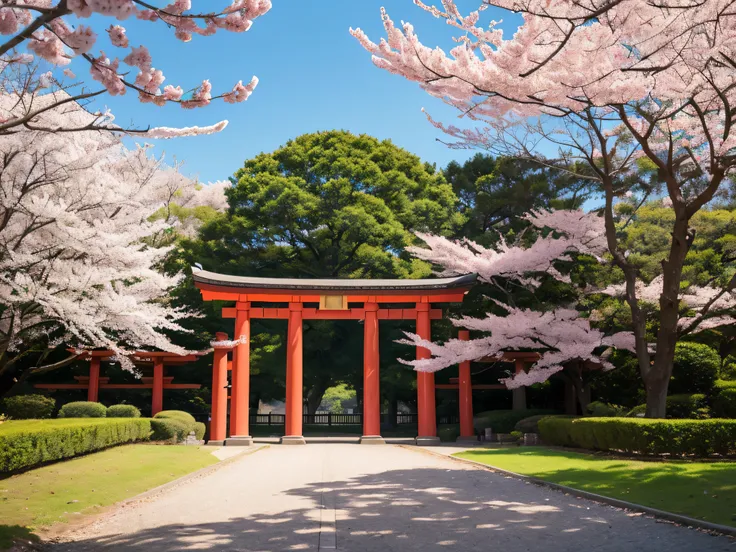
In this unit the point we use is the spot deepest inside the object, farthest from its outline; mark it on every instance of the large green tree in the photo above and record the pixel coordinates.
(496, 192)
(328, 204)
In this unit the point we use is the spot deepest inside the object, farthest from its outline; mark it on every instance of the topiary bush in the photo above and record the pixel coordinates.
(82, 409)
(599, 409)
(695, 369)
(448, 433)
(185, 417)
(723, 401)
(169, 430)
(642, 436)
(123, 411)
(503, 421)
(28, 407)
(530, 424)
(199, 430)
(28, 443)
(693, 406)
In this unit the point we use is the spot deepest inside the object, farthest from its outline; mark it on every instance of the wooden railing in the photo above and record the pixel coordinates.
(329, 419)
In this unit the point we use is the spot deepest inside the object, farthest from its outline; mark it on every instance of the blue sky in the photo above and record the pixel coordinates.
(313, 76)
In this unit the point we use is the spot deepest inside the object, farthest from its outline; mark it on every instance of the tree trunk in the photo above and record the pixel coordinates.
(571, 403)
(657, 376)
(314, 396)
(393, 412)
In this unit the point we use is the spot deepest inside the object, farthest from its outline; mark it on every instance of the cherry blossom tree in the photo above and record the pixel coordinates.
(616, 88)
(77, 263)
(55, 32)
(561, 336)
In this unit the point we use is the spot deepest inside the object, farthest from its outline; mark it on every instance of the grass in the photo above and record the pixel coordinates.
(61, 492)
(703, 490)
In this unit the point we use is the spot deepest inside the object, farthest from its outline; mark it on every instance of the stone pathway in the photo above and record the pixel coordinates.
(374, 498)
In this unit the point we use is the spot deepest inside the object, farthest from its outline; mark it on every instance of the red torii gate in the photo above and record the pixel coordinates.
(93, 383)
(338, 299)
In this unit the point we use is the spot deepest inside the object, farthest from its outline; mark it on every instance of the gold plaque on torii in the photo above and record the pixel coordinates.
(333, 302)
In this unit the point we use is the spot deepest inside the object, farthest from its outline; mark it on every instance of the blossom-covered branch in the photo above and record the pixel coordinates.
(44, 29)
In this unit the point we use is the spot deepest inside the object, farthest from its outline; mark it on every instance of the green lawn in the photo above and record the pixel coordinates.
(704, 490)
(62, 491)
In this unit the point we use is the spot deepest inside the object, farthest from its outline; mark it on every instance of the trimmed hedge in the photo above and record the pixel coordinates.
(530, 424)
(29, 443)
(503, 421)
(175, 425)
(82, 409)
(28, 407)
(169, 430)
(123, 411)
(600, 409)
(642, 436)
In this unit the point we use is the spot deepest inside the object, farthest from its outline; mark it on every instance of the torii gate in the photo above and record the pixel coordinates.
(333, 299)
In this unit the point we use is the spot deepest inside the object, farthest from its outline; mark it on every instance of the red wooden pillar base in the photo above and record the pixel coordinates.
(218, 417)
(294, 378)
(93, 391)
(157, 403)
(465, 391)
(426, 410)
(371, 378)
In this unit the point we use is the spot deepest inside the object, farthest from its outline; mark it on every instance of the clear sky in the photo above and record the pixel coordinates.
(313, 76)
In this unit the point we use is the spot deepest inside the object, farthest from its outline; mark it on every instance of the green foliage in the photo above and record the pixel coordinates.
(530, 424)
(503, 421)
(598, 409)
(642, 436)
(169, 430)
(684, 406)
(25, 444)
(448, 433)
(180, 415)
(199, 430)
(724, 399)
(82, 409)
(516, 435)
(335, 396)
(693, 405)
(174, 426)
(123, 411)
(695, 369)
(27, 407)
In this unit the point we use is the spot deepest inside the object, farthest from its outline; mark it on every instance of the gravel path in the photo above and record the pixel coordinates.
(374, 498)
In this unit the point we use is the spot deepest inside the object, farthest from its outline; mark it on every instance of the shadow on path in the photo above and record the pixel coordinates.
(424, 509)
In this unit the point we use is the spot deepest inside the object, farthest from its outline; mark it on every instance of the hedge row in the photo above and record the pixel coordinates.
(503, 421)
(642, 436)
(28, 443)
(175, 425)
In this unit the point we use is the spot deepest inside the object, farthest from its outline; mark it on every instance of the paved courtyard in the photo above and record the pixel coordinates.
(374, 498)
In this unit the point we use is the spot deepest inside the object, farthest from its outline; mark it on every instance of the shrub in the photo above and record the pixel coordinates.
(503, 421)
(695, 369)
(683, 406)
(199, 430)
(82, 409)
(123, 411)
(530, 424)
(169, 430)
(517, 435)
(724, 399)
(27, 407)
(180, 415)
(693, 406)
(448, 433)
(25, 444)
(599, 409)
(642, 436)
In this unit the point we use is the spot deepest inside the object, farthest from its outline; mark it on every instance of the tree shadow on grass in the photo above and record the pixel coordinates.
(702, 490)
(422, 509)
(10, 534)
